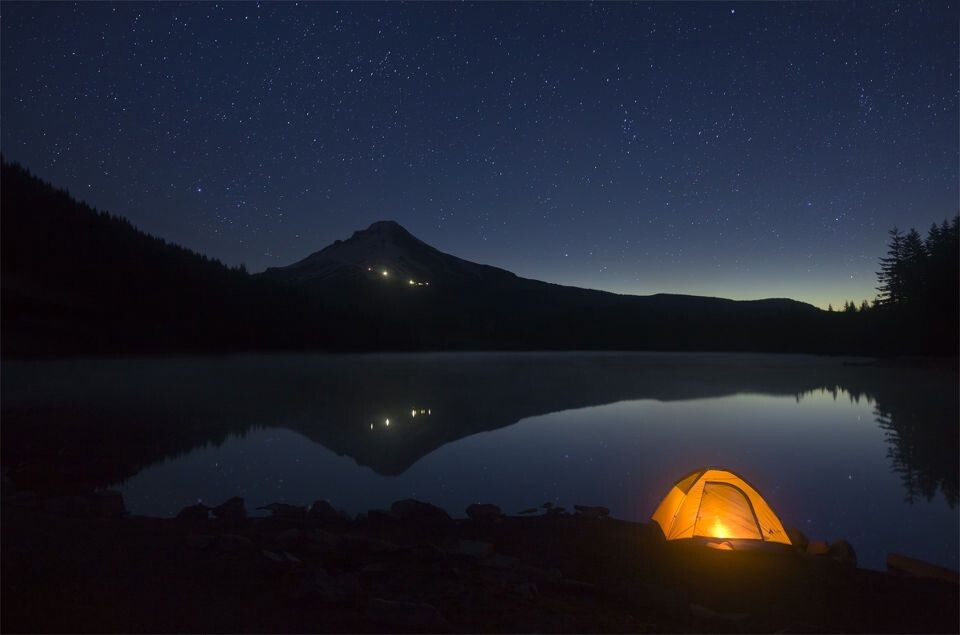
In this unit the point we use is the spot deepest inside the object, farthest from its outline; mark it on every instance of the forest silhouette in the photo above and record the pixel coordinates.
(77, 280)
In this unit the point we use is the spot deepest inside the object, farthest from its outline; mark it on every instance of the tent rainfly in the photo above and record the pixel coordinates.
(716, 503)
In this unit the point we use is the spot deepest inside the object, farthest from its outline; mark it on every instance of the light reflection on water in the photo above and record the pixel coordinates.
(838, 451)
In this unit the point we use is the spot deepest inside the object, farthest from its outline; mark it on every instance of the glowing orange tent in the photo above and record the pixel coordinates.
(716, 503)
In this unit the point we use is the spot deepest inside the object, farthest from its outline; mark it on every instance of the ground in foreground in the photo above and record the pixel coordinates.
(68, 568)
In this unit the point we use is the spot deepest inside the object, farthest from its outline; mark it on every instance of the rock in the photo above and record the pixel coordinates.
(817, 548)
(798, 538)
(668, 598)
(500, 561)
(194, 512)
(529, 510)
(409, 509)
(801, 627)
(231, 543)
(406, 614)
(428, 553)
(842, 551)
(200, 541)
(703, 612)
(483, 511)
(290, 538)
(374, 545)
(70, 506)
(577, 585)
(23, 499)
(321, 541)
(354, 543)
(560, 623)
(381, 516)
(322, 510)
(472, 549)
(231, 510)
(525, 590)
(320, 585)
(107, 504)
(904, 565)
(280, 558)
(283, 510)
(589, 511)
(7, 487)
(272, 556)
(543, 576)
(375, 569)
(556, 511)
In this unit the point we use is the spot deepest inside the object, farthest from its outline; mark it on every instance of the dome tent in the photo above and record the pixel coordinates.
(716, 503)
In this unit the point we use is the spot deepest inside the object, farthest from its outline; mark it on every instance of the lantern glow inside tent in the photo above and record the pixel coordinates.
(716, 503)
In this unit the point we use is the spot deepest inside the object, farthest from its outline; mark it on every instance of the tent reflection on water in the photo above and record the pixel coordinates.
(717, 504)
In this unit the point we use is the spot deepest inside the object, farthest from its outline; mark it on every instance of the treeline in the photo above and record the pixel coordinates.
(851, 307)
(922, 275)
(77, 280)
(918, 274)
(917, 307)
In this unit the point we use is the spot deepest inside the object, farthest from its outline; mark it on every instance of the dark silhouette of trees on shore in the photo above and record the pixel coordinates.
(921, 274)
(77, 280)
(917, 308)
(919, 287)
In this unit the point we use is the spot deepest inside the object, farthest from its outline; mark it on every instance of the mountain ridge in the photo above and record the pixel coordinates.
(386, 245)
(78, 281)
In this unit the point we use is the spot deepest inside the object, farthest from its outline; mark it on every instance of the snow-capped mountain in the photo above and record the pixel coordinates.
(386, 250)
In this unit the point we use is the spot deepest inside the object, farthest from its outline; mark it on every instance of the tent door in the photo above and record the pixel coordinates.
(726, 512)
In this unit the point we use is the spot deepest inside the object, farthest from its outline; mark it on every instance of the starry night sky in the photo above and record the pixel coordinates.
(740, 150)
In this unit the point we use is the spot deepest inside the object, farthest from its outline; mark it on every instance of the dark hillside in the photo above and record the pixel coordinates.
(77, 280)
(438, 300)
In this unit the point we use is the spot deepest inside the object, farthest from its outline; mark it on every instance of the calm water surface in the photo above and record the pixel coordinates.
(839, 449)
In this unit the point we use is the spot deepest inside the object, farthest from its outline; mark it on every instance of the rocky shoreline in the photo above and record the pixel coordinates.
(82, 564)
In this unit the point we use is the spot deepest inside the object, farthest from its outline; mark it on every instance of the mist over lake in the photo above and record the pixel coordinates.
(832, 444)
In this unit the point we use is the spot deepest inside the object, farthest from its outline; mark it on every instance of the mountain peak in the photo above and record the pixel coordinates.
(385, 246)
(385, 225)
(383, 228)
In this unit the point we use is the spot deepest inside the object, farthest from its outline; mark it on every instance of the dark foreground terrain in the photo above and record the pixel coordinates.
(80, 564)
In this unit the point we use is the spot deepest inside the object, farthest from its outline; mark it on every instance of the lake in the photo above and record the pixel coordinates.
(838, 447)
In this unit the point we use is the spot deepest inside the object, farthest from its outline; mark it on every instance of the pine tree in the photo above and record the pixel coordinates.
(864, 306)
(935, 239)
(914, 265)
(890, 275)
(941, 276)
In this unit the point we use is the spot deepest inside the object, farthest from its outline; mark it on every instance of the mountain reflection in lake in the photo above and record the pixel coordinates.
(841, 451)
